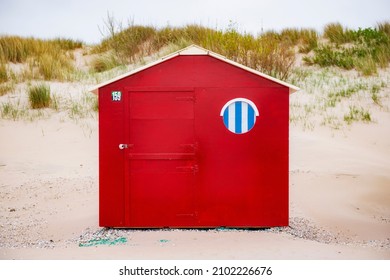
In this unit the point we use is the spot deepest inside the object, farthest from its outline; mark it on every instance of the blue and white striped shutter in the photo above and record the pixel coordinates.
(239, 115)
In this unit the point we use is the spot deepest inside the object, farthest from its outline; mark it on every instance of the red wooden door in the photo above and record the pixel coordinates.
(161, 163)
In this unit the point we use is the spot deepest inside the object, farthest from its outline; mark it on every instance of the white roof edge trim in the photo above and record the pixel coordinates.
(243, 100)
(194, 50)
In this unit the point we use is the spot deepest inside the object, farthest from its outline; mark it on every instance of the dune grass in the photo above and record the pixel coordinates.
(271, 53)
(10, 111)
(357, 114)
(305, 39)
(104, 62)
(47, 59)
(364, 49)
(6, 87)
(39, 96)
(84, 107)
(17, 49)
(6, 83)
(3, 70)
(384, 27)
(54, 66)
(335, 99)
(338, 34)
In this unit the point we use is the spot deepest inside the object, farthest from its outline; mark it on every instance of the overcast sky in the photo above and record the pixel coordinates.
(78, 19)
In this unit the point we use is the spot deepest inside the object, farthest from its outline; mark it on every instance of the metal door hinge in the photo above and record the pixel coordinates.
(192, 146)
(193, 168)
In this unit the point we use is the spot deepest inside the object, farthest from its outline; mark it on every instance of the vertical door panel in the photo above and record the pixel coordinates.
(162, 159)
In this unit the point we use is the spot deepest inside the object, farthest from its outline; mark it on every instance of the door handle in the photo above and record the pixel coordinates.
(123, 146)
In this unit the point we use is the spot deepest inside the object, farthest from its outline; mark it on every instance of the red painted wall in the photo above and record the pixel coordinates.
(242, 180)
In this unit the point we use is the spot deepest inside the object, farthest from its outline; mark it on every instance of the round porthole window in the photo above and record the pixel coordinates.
(239, 115)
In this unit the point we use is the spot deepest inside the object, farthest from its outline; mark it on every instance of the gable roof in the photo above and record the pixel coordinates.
(194, 50)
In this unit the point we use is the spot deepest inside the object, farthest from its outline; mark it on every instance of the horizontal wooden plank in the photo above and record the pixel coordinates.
(161, 156)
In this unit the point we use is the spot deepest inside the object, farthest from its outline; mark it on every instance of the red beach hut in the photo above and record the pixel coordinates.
(193, 140)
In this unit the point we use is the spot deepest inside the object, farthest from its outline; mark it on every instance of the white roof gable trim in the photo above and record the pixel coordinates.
(194, 50)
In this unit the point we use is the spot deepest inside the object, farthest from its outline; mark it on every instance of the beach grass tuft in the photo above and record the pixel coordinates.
(357, 114)
(39, 96)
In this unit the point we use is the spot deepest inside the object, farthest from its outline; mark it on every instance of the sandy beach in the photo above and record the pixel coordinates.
(339, 198)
